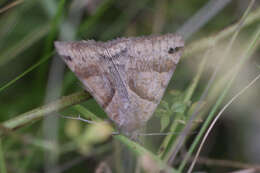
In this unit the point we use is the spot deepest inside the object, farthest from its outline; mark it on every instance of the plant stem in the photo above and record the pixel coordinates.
(43, 111)
(167, 142)
(204, 43)
(188, 126)
(249, 51)
(141, 151)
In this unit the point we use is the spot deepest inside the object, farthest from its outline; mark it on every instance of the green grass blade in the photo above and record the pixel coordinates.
(202, 44)
(140, 151)
(54, 26)
(44, 59)
(188, 126)
(40, 112)
(23, 44)
(188, 95)
(120, 24)
(84, 28)
(205, 125)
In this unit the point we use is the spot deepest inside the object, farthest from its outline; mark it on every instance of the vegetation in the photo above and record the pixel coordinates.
(38, 93)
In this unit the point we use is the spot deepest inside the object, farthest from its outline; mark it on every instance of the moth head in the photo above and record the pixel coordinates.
(69, 53)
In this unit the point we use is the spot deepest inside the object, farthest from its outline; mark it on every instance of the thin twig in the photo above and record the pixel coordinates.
(225, 163)
(248, 53)
(217, 117)
(160, 134)
(11, 5)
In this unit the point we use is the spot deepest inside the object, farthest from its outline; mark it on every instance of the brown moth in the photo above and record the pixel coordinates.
(126, 76)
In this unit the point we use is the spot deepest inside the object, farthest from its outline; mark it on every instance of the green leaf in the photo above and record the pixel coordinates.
(178, 107)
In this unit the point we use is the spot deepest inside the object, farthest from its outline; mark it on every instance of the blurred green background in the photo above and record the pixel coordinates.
(27, 31)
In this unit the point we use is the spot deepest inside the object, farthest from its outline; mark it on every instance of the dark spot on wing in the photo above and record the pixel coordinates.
(124, 51)
(173, 50)
(67, 58)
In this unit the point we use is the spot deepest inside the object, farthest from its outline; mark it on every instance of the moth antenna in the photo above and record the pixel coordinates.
(153, 134)
(118, 133)
(161, 133)
(79, 118)
(85, 120)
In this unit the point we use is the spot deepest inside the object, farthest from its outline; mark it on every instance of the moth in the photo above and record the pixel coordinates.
(126, 76)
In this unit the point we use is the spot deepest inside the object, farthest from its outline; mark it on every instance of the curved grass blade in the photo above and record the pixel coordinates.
(44, 59)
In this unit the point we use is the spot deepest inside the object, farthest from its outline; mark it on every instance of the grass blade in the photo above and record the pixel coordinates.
(23, 44)
(246, 56)
(140, 151)
(44, 59)
(39, 113)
